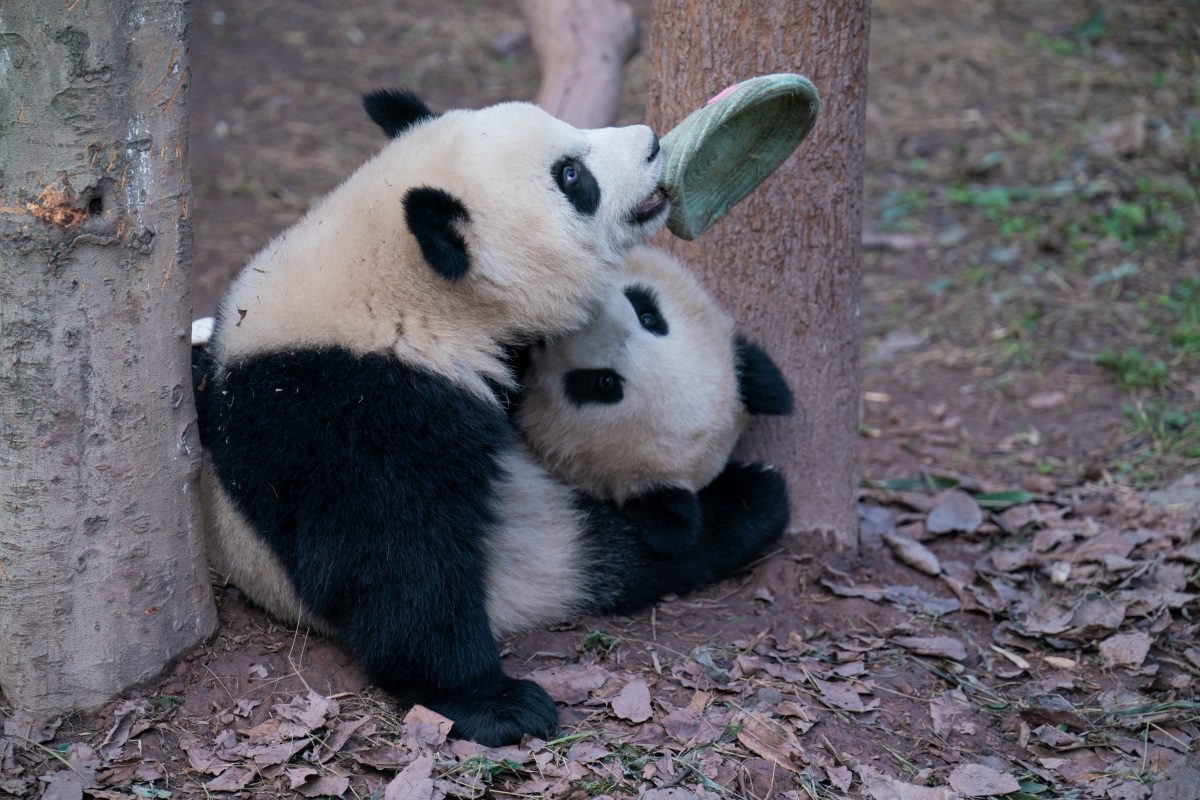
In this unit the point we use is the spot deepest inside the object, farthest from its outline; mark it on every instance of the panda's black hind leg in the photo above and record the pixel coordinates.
(741, 513)
(520, 707)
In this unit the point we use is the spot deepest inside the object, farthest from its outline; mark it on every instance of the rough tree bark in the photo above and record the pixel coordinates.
(785, 261)
(103, 580)
(582, 45)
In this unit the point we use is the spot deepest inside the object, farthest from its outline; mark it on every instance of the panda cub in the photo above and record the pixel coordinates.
(650, 397)
(360, 472)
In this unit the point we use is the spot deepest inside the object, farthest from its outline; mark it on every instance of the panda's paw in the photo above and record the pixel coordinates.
(745, 509)
(521, 707)
(668, 519)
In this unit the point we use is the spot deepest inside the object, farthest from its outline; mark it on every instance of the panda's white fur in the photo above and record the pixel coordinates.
(681, 403)
(361, 474)
(350, 274)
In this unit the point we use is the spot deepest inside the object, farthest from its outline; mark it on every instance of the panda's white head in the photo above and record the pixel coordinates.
(470, 229)
(514, 195)
(654, 391)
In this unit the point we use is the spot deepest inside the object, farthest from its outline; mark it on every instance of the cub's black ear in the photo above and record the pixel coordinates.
(763, 389)
(395, 110)
(431, 215)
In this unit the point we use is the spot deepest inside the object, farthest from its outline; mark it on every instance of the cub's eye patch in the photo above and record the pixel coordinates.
(585, 386)
(579, 185)
(645, 305)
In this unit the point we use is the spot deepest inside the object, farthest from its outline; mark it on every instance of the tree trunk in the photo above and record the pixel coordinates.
(582, 45)
(103, 580)
(785, 261)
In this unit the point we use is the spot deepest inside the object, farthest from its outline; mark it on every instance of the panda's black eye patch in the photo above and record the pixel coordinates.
(579, 185)
(645, 305)
(586, 386)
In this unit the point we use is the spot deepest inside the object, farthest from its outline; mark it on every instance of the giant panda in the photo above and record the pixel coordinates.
(360, 472)
(651, 394)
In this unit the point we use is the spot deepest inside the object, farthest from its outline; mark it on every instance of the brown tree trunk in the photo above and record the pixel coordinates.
(785, 261)
(582, 45)
(103, 580)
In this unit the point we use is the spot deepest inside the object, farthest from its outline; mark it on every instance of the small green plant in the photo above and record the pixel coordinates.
(1183, 304)
(1171, 428)
(1133, 370)
(897, 207)
(489, 770)
(599, 642)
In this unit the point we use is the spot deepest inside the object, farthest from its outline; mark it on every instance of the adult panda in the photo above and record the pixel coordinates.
(361, 474)
(650, 397)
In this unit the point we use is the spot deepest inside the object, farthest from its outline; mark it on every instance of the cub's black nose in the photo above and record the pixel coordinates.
(653, 147)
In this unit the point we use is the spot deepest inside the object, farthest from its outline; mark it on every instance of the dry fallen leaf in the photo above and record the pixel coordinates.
(913, 553)
(1046, 399)
(1125, 649)
(1058, 662)
(415, 782)
(64, 785)
(882, 787)
(201, 758)
(424, 727)
(686, 724)
(840, 777)
(304, 714)
(976, 780)
(633, 703)
(949, 714)
(1020, 662)
(957, 512)
(772, 741)
(232, 780)
(129, 723)
(381, 757)
(584, 751)
(341, 734)
(937, 646)
(572, 683)
(23, 725)
(840, 695)
(670, 793)
(1123, 137)
(326, 785)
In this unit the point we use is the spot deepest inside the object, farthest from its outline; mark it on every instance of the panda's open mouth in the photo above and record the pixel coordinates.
(650, 208)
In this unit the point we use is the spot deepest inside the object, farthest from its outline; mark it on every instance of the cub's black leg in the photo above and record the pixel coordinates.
(742, 512)
(670, 520)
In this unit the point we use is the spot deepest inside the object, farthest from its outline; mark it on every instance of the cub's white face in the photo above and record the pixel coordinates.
(646, 394)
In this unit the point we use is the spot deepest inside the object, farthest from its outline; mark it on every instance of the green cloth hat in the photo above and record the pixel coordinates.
(731, 144)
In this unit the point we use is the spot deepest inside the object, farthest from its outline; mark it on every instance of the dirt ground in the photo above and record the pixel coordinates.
(1022, 622)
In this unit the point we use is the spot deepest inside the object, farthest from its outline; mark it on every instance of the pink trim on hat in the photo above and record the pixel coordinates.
(723, 92)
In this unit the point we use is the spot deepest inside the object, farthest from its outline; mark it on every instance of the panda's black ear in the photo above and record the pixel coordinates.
(763, 389)
(432, 215)
(395, 110)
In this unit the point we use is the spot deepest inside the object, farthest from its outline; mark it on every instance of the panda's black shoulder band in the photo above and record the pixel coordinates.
(395, 110)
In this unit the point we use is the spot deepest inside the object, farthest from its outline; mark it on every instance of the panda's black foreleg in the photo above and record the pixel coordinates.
(424, 636)
(372, 482)
(742, 512)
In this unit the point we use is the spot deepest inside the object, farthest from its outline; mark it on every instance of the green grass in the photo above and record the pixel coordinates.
(1182, 305)
(1134, 370)
(1172, 429)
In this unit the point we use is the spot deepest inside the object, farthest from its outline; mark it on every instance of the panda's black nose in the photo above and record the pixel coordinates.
(653, 147)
